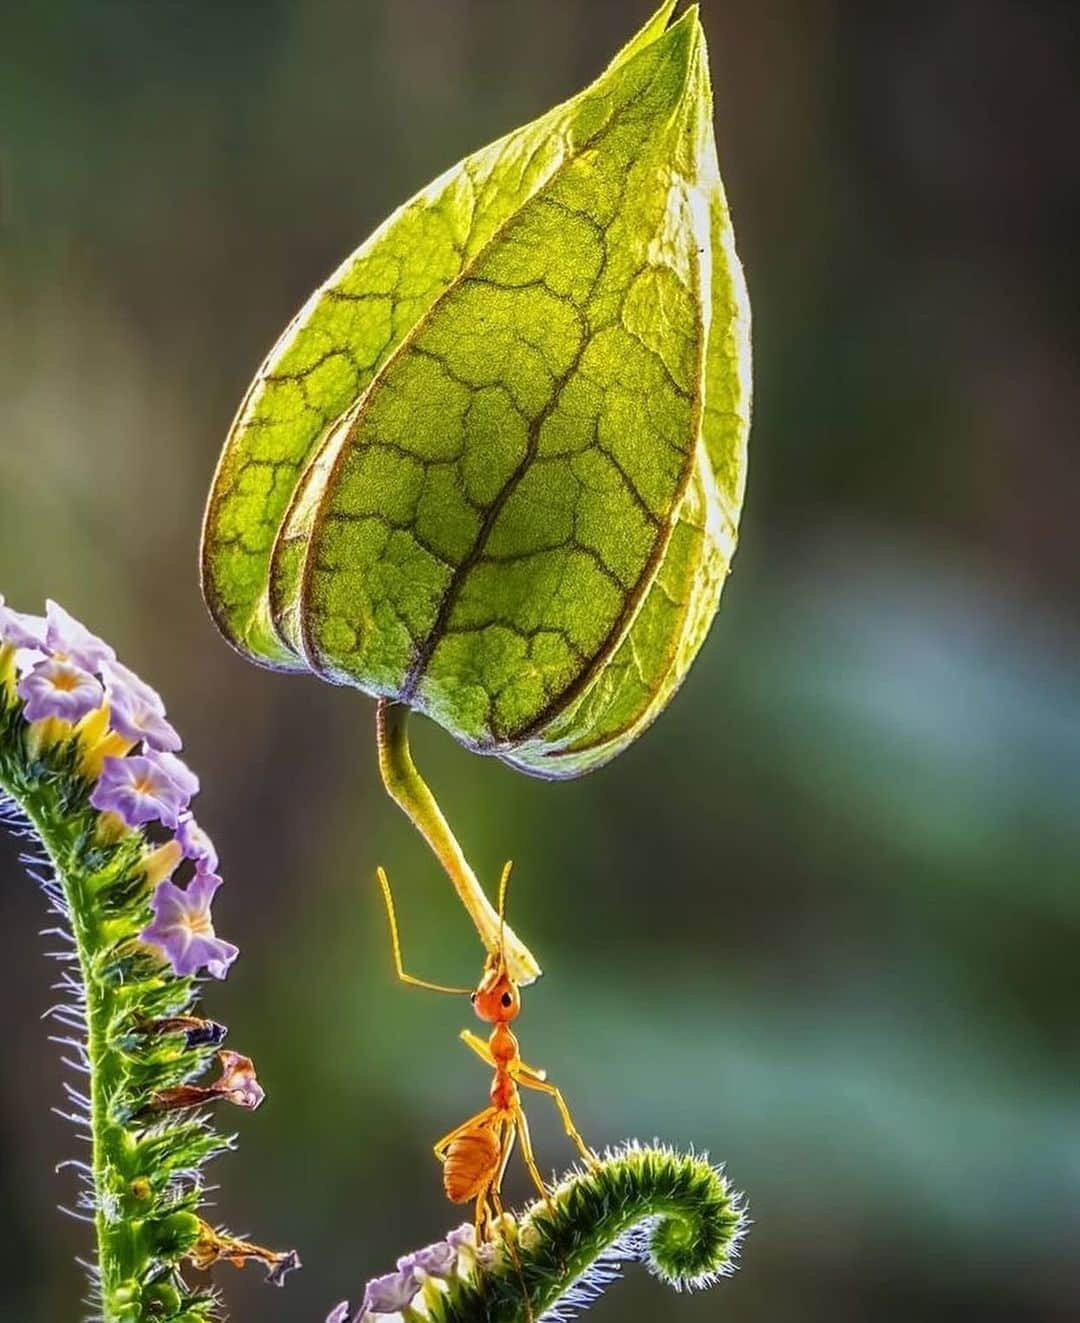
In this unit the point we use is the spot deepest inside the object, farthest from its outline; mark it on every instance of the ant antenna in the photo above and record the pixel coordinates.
(504, 882)
(395, 942)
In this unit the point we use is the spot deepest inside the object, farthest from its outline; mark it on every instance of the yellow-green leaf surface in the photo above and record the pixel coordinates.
(494, 466)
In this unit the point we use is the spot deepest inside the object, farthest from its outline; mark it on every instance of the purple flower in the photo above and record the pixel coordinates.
(196, 845)
(137, 789)
(178, 772)
(71, 641)
(438, 1260)
(58, 689)
(339, 1313)
(392, 1293)
(21, 631)
(462, 1237)
(26, 634)
(183, 930)
(136, 710)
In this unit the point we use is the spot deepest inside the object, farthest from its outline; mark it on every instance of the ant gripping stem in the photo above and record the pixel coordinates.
(474, 1155)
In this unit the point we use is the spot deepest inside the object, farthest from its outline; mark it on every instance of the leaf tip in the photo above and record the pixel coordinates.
(645, 36)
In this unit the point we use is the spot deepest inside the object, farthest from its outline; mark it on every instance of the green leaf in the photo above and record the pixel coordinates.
(495, 465)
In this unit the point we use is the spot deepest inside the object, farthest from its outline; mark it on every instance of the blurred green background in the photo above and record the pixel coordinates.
(823, 919)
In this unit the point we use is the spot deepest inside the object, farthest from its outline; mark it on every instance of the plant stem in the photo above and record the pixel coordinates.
(128, 1007)
(139, 1186)
(408, 789)
(673, 1211)
(54, 833)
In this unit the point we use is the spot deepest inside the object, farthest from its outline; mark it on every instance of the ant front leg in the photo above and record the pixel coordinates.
(477, 1045)
(529, 1078)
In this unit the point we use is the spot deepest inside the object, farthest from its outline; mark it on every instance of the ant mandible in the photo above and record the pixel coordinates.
(474, 1155)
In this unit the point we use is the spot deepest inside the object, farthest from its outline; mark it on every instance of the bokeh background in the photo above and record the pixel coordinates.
(824, 919)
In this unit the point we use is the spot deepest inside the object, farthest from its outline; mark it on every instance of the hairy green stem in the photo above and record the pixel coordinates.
(128, 1026)
(101, 1007)
(143, 1222)
(673, 1211)
(408, 789)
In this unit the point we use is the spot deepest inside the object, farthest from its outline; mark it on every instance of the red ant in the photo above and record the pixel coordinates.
(475, 1154)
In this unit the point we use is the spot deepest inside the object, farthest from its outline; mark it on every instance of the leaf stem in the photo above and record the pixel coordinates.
(408, 789)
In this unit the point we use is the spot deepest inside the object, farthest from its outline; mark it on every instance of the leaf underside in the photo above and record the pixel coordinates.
(494, 466)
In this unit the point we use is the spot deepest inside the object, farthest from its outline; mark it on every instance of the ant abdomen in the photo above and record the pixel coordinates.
(471, 1162)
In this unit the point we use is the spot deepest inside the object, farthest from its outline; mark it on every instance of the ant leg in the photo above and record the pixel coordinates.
(481, 1118)
(529, 1156)
(480, 1217)
(530, 1162)
(506, 1134)
(478, 1045)
(507, 1139)
(510, 1241)
(395, 942)
(534, 1079)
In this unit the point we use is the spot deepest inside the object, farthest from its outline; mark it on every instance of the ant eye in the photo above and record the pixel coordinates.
(507, 1000)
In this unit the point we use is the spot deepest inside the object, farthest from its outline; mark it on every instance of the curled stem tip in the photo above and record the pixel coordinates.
(673, 1211)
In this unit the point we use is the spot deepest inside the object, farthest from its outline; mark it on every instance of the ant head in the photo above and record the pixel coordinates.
(497, 999)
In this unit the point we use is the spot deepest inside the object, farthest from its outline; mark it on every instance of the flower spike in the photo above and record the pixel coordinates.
(88, 766)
